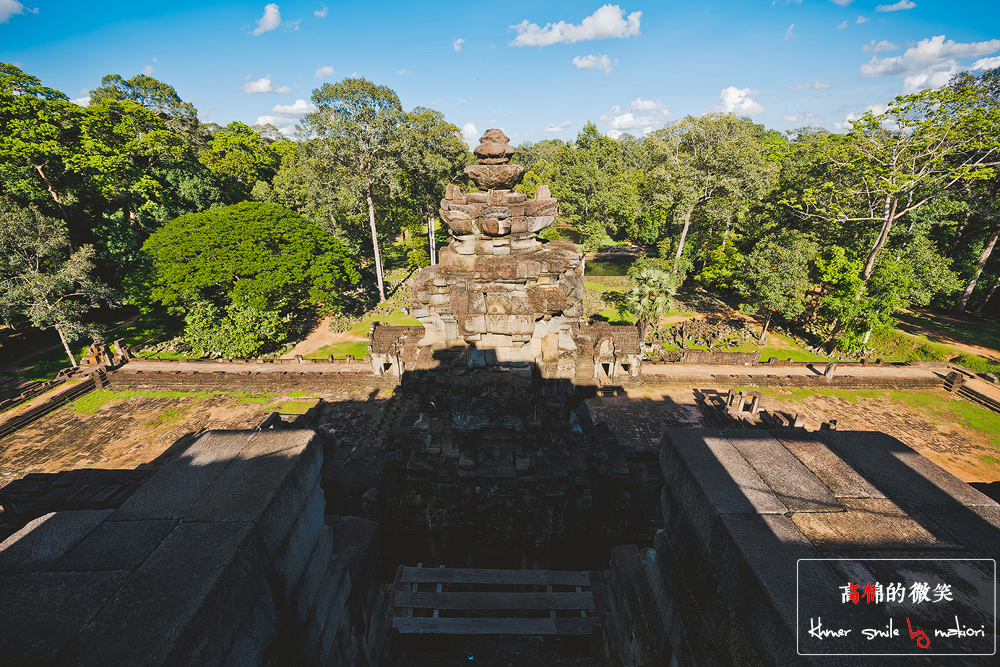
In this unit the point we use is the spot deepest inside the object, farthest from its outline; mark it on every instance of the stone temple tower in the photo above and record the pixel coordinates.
(498, 288)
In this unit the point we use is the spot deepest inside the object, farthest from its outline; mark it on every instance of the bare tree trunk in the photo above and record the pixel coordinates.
(979, 308)
(52, 190)
(680, 244)
(890, 213)
(430, 238)
(763, 332)
(378, 256)
(69, 352)
(987, 251)
(838, 327)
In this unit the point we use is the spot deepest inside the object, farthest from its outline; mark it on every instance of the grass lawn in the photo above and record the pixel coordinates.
(977, 363)
(787, 348)
(395, 319)
(936, 404)
(295, 407)
(896, 345)
(976, 330)
(356, 348)
(93, 401)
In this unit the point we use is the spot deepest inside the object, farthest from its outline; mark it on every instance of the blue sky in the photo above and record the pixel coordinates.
(537, 69)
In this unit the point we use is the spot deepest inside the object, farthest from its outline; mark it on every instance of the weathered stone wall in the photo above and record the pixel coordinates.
(222, 558)
(801, 381)
(230, 379)
(740, 508)
(713, 358)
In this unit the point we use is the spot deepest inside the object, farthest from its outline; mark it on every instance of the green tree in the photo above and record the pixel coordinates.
(434, 155)
(774, 277)
(258, 263)
(716, 158)
(39, 133)
(358, 126)
(596, 190)
(649, 297)
(158, 97)
(41, 280)
(241, 159)
(891, 164)
(123, 144)
(911, 275)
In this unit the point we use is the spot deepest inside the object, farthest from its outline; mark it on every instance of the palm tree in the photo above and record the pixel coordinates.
(649, 297)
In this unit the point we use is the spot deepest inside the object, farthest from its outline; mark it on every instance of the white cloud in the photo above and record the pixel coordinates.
(986, 63)
(461, 101)
(902, 4)
(495, 112)
(842, 25)
(607, 22)
(862, 19)
(324, 71)
(155, 60)
(148, 70)
(819, 85)
(10, 7)
(269, 21)
(404, 72)
(557, 128)
(299, 108)
(457, 44)
(800, 86)
(842, 3)
(930, 63)
(321, 13)
(824, 95)
(294, 25)
(286, 116)
(852, 116)
(788, 33)
(639, 104)
(790, 119)
(82, 101)
(884, 45)
(651, 116)
(740, 102)
(263, 86)
(470, 134)
(601, 63)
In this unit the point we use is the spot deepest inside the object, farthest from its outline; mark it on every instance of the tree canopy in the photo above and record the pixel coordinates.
(900, 210)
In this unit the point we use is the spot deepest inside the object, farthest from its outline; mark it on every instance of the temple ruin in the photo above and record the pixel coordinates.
(496, 481)
(501, 295)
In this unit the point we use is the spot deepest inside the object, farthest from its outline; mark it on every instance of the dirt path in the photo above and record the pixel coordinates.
(940, 335)
(319, 338)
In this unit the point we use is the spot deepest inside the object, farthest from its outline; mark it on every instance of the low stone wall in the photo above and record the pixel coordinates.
(247, 380)
(222, 558)
(298, 359)
(9, 425)
(800, 381)
(713, 358)
(34, 389)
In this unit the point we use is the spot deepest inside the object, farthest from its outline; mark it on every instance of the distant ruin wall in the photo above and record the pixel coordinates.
(222, 558)
(231, 379)
(713, 358)
(795, 381)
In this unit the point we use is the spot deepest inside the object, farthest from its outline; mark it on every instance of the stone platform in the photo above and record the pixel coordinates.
(223, 557)
(746, 512)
